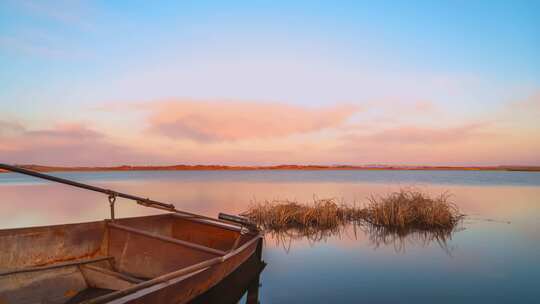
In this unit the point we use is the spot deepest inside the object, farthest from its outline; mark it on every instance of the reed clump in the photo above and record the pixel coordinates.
(282, 215)
(402, 211)
(410, 209)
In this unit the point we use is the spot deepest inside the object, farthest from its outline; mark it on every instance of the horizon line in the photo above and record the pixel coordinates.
(217, 167)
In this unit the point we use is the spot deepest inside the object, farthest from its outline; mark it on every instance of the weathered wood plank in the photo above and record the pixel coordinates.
(106, 279)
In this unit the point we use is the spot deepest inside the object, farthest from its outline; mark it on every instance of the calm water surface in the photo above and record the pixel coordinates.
(494, 258)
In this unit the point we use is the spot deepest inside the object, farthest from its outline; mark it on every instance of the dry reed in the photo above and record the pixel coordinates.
(283, 215)
(409, 209)
(401, 212)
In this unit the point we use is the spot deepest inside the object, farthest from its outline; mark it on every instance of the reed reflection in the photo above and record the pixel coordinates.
(376, 236)
(381, 236)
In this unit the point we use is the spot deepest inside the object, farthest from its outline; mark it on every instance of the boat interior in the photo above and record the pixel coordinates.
(76, 262)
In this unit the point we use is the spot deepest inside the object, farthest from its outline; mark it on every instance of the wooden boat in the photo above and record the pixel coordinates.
(169, 258)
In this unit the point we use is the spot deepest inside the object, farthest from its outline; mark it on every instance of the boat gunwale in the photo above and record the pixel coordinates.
(6, 231)
(210, 221)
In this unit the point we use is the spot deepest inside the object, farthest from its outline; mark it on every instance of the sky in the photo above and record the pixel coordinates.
(270, 82)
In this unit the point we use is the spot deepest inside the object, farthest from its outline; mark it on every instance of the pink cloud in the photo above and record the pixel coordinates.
(207, 121)
(426, 135)
(66, 132)
(259, 133)
(67, 144)
(10, 127)
(478, 143)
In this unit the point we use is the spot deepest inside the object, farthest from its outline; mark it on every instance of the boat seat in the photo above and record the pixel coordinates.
(103, 278)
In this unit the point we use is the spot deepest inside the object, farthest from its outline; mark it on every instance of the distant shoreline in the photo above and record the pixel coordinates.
(278, 167)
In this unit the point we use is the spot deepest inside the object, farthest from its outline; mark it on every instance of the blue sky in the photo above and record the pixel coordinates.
(61, 59)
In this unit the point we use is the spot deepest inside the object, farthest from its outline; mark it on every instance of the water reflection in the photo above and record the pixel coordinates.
(25, 204)
(378, 236)
(491, 261)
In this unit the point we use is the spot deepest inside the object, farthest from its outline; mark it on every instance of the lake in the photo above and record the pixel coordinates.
(493, 258)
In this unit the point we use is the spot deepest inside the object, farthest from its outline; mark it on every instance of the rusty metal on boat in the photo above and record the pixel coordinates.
(175, 257)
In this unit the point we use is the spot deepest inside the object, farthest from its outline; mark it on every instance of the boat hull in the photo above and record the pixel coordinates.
(186, 288)
(154, 259)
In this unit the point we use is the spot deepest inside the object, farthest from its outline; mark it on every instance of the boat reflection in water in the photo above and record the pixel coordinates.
(244, 281)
